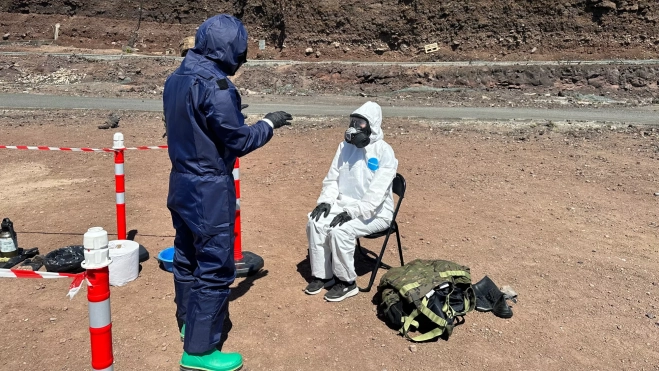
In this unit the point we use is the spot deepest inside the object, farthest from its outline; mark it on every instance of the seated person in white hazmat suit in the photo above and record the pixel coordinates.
(356, 201)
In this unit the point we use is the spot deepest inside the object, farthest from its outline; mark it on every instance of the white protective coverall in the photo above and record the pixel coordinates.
(359, 183)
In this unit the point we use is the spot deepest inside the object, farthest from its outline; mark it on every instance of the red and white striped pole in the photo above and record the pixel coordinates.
(237, 244)
(247, 263)
(120, 187)
(97, 259)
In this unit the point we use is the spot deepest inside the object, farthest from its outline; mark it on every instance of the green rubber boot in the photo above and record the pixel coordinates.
(183, 333)
(213, 360)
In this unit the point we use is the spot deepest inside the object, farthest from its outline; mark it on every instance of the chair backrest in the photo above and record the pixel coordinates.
(399, 186)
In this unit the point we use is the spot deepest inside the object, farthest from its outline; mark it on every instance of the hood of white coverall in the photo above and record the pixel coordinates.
(373, 113)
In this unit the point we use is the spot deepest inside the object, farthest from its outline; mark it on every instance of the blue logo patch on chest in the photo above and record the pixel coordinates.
(373, 163)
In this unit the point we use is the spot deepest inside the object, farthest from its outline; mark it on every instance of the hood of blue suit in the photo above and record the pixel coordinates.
(223, 40)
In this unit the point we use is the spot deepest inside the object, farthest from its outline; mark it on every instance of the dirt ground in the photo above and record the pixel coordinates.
(567, 217)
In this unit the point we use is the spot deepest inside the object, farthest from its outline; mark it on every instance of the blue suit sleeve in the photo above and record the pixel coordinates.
(223, 118)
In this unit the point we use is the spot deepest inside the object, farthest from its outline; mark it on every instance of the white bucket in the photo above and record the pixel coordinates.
(125, 261)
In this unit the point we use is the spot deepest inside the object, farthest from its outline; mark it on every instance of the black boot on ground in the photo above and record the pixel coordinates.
(490, 299)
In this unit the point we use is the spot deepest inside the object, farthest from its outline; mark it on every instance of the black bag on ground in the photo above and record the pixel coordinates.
(65, 260)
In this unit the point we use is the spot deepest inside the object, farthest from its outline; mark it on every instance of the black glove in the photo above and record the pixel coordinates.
(242, 107)
(279, 118)
(340, 219)
(319, 210)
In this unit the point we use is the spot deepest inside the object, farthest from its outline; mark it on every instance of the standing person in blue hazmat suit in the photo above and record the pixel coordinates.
(206, 132)
(356, 200)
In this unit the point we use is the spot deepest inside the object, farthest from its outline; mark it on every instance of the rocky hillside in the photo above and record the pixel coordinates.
(371, 29)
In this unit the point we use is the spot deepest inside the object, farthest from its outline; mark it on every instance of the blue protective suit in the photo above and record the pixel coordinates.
(205, 134)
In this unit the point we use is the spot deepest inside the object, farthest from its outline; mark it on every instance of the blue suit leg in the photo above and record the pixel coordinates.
(185, 264)
(209, 296)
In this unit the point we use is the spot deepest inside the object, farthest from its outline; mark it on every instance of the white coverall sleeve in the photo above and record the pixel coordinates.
(378, 189)
(330, 191)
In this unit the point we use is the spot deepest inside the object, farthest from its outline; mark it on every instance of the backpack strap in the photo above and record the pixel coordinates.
(447, 274)
(403, 290)
(409, 322)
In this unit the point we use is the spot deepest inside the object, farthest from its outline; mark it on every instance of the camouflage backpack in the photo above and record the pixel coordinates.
(425, 296)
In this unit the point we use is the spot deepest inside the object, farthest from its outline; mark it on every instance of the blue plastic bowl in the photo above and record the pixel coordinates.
(166, 258)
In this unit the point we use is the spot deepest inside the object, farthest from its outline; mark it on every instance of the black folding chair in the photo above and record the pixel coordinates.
(398, 188)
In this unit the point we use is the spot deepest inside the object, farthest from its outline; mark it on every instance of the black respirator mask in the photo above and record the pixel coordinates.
(359, 131)
(241, 58)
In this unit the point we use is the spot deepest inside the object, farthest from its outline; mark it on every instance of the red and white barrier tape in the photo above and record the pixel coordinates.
(142, 148)
(75, 286)
(67, 149)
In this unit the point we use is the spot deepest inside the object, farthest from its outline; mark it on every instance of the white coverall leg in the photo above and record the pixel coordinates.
(331, 250)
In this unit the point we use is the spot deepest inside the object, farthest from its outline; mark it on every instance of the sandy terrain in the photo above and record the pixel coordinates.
(568, 218)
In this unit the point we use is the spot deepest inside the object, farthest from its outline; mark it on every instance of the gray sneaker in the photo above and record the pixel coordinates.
(342, 290)
(317, 285)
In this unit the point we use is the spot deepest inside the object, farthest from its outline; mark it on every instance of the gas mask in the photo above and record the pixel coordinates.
(242, 58)
(359, 131)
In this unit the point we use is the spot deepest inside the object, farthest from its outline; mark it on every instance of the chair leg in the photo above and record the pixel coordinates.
(378, 263)
(400, 248)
